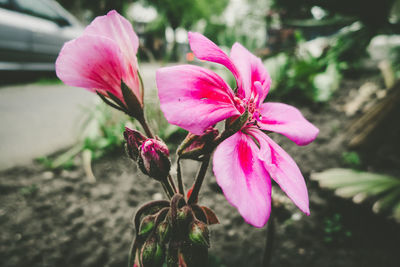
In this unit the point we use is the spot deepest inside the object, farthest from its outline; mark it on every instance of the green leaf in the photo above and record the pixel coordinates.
(348, 183)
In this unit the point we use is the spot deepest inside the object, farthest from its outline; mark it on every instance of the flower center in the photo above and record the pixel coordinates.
(251, 106)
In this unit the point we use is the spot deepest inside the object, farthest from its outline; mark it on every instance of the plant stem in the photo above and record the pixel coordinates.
(171, 182)
(179, 177)
(146, 127)
(269, 243)
(167, 188)
(199, 179)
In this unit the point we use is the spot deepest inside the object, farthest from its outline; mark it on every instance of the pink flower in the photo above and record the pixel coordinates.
(103, 56)
(195, 98)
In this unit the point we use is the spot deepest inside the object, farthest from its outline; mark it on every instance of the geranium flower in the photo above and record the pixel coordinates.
(102, 57)
(195, 98)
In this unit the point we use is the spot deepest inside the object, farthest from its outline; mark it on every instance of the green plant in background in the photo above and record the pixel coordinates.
(382, 190)
(29, 191)
(334, 230)
(395, 60)
(100, 132)
(304, 78)
(313, 70)
(351, 159)
(315, 78)
(230, 35)
(185, 13)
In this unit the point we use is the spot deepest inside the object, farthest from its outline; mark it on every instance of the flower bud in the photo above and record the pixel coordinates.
(163, 232)
(198, 234)
(184, 216)
(153, 159)
(194, 145)
(152, 253)
(134, 140)
(147, 225)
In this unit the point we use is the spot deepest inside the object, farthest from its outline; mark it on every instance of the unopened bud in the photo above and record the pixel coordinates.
(163, 232)
(152, 253)
(184, 216)
(159, 256)
(134, 140)
(147, 225)
(153, 159)
(198, 234)
(194, 145)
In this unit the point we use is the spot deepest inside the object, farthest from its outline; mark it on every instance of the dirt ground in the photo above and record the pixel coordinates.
(60, 219)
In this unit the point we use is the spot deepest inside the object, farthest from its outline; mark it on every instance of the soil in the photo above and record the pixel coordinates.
(60, 219)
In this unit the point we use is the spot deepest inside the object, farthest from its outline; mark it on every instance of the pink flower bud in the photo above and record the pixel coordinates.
(134, 140)
(154, 159)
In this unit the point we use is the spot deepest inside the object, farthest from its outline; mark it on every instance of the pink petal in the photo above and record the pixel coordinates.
(243, 178)
(205, 49)
(91, 62)
(251, 70)
(287, 120)
(194, 98)
(117, 28)
(282, 168)
(120, 30)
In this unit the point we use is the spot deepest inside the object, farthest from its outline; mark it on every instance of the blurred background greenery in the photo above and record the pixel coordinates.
(307, 45)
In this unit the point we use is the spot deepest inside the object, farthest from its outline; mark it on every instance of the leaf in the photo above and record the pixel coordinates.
(396, 212)
(348, 183)
(327, 82)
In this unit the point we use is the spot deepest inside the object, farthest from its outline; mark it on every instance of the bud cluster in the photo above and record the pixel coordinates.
(177, 234)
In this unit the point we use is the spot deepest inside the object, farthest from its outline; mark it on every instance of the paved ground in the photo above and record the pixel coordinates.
(37, 120)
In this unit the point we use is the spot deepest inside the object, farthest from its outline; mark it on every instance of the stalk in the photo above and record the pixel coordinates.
(199, 179)
(269, 243)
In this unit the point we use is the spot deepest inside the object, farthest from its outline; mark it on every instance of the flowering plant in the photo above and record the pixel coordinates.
(175, 231)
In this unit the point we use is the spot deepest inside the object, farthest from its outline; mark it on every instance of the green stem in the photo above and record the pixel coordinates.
(179, 177)
(199, 179)
(167, 188)
(171, 182)
(146, 127)
(269, 243)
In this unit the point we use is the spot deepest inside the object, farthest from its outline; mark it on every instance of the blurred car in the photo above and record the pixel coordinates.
(32, 33)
